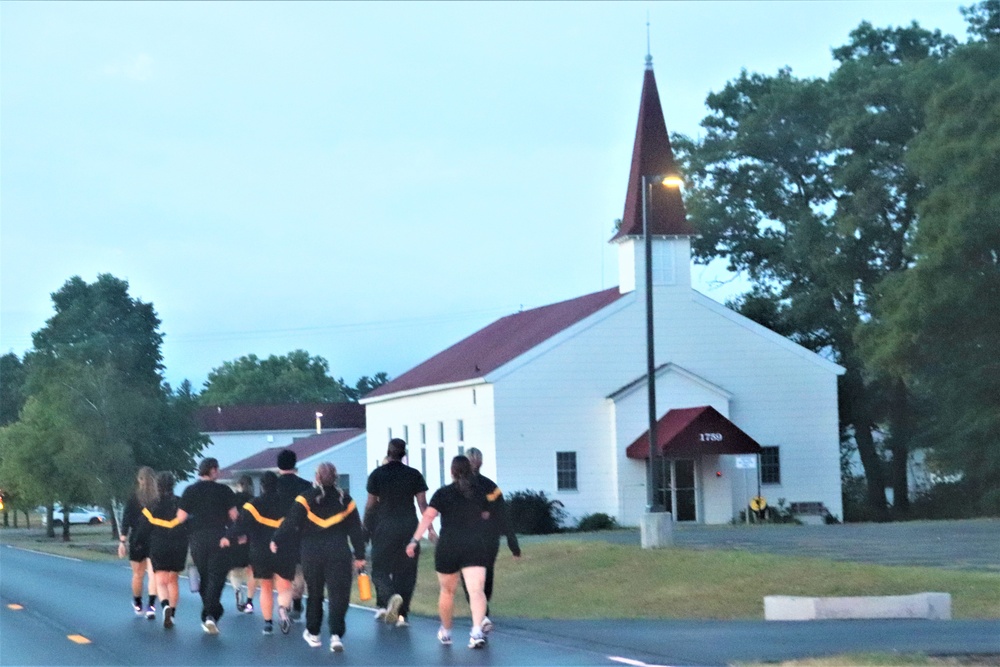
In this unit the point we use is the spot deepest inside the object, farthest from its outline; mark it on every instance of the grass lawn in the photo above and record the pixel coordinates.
(593, 579)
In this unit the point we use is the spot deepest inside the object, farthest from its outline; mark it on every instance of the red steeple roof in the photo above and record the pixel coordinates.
(652, 155)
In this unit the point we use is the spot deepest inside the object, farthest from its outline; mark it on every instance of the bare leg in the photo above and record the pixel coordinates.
(284, 592)
(138, 571)
(266, 599)
(475, 579)
(446, 598)
(173, 591)
(150, 578)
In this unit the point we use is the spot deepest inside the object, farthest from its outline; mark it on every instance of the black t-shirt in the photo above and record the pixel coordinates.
(290, 486)
(208, 504)
(461, 516)
(396, 484)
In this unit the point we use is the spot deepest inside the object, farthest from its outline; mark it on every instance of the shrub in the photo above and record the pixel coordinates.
(596, 521)
(533, 513)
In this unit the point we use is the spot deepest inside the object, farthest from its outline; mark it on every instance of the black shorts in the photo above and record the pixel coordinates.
(266, 564)
(451, 556)
(169, 557)
(239, 555)
(138, 550)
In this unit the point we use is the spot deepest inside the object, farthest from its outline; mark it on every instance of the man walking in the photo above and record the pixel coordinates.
(290, 486)
(392, 488)
(497, 525)
(209, 507)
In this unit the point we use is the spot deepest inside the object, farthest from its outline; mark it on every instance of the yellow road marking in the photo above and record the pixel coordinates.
(79, 639)
(15, 607)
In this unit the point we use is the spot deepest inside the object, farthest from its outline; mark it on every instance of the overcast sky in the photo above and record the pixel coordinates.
(370, 182)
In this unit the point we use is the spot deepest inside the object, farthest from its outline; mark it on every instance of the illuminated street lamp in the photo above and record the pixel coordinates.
(670, 181)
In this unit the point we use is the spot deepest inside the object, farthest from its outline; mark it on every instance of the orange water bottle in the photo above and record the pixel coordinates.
(364, 586)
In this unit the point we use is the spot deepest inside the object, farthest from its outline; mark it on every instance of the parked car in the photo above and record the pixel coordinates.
(87, 515)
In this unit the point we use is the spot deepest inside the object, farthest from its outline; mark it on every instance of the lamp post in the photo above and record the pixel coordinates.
(669, 180)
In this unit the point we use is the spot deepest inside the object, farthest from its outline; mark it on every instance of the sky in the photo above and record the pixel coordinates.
(370, 182)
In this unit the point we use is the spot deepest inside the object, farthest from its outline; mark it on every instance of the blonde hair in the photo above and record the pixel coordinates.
(146, 491)
(326, 476)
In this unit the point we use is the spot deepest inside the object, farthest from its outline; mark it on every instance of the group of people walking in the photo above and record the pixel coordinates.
(298, 536)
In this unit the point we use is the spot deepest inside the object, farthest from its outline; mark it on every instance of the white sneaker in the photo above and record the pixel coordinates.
(392, 609)
(209, 626)
(336, 645)
(444, 636)
(401, 622)
(380, 614)
(487, 625)
(477, 641)
(313, 640)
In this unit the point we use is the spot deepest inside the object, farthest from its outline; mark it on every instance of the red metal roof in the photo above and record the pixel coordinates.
(303, 448)
(694, 431)
(500, 342)
(285, 417)
(652, 155)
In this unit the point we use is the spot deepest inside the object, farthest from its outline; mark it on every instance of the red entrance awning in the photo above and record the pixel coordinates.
(693, 432)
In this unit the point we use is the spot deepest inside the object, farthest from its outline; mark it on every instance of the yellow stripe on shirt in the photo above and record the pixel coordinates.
(271, 523)
(325, 523)
(492, 496)
(162, 523)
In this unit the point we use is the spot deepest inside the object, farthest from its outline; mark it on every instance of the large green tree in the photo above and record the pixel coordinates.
(97, 404)
(12, 376)
(801, 184)
(296, 377)
(936, 326)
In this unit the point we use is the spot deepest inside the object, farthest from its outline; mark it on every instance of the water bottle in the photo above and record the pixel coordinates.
(364, 586)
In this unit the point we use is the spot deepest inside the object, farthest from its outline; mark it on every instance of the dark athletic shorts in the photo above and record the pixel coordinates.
(169, 558)
(138, 550)
(450, 556)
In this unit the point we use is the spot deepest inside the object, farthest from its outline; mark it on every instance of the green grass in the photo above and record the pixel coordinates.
(576, 579)
(573, 579)
(883, 660)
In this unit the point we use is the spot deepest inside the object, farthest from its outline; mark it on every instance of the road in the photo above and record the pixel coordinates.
(48, 601)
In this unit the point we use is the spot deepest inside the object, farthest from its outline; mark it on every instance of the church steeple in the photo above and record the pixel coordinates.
(652, 155)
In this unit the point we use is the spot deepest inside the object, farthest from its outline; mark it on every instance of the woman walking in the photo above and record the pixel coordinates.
(239, 554)
(325, 517)
(258, 520)
(168, 544)
(137, 549)
(461, 547)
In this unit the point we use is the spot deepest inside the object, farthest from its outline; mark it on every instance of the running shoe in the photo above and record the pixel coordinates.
(295, 614)
(444, 636)
(336, 645)
(248, 608)
(477, 641)
(268, 628)
(209, 626)
(139, 611)
(392, 609)
(285, 620)
(401, 622)
(168, 617)
(380, 614)
(151, 612)
(311, 639)
(487, 625)
(240, 605)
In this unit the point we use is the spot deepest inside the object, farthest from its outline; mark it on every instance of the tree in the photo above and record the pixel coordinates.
(12, 376)
(97, 403)
(802, 185)
(936, 327)
(364, 385)
(293, 378)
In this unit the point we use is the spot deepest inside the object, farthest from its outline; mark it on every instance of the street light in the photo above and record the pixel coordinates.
(673, 181)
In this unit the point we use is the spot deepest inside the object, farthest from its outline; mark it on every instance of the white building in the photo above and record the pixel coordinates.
(556, 397)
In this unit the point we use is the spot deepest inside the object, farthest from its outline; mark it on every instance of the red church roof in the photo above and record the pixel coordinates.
(651, 156)
(498, 343)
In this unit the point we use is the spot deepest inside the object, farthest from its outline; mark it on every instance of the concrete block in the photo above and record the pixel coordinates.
(935, 606)
(656, 530)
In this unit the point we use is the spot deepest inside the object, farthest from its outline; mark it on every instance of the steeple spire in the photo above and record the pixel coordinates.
(652, 155)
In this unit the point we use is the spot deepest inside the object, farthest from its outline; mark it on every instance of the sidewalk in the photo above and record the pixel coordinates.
(728, 642)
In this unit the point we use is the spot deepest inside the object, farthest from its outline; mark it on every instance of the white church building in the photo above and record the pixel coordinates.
(556, 396)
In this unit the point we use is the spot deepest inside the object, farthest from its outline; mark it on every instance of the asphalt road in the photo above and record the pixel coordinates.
(49, 600)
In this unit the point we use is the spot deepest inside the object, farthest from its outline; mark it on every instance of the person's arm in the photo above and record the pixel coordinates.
(422, 505)
(503, 521)
(425, 522)
(289, 526)
(356, 532)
